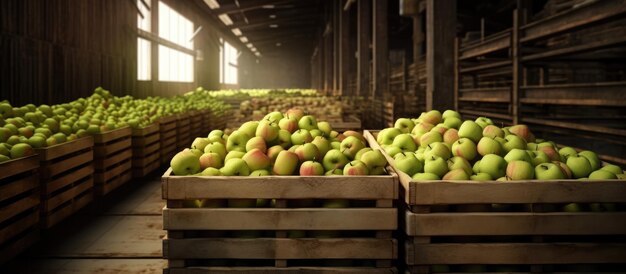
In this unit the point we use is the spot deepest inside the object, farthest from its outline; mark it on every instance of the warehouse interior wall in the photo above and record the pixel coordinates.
(285, 69)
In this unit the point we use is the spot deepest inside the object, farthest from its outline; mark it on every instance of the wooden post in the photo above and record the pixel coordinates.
(363, 47)
(337, 8)
(418, 39)
(440, 34)
(457, 76)
(380, 48)
(344, 50)
(515, 52)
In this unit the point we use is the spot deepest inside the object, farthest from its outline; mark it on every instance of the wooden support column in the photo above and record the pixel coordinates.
(440, 34)
(336, 11)
(344, 50)
(380, 41)
(364, 34)
(515, 54)
(328, 62)
(418, 39)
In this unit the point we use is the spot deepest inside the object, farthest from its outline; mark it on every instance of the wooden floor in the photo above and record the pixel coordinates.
(121, 235)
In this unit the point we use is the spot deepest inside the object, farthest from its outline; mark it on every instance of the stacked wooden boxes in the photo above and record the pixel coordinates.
(167, 133)
(347, 123)
(112, 159)
(146, 155)
(197, 128)
(66, 178)
(207, 121)
(20, 200)
(183, 131)
(459, 226)
(289, 230)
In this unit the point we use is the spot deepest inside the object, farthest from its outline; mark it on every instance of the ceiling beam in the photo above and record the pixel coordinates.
(248, 5)
(305, 20)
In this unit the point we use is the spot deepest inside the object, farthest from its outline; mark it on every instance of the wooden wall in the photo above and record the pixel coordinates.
(54, 51)
(289, 68)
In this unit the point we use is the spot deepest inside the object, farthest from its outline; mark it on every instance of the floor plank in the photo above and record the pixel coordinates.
(88, 266)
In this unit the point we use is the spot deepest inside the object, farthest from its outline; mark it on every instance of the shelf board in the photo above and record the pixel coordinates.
(615, 40)
(493, 43)
(576, 126)
(589, 94)
(584, 102)
(486, 114)
(487, 66)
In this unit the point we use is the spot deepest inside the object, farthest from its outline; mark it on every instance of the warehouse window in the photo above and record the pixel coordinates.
(175, 65)
(144, 46)
(229, 68)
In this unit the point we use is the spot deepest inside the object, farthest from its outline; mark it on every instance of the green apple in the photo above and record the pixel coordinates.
(374, 160)
(450, 113)
(613, 169)
(550, 150)
(429, 138)
(237, 141)
(481, 177)
(21, 150)
(523, 132)
(392, 150)
(311, 168)
(286, 163)
(540, 157)
(494, 165)
(308, 152)
(301, 136)
(387, 136)
(520, 170)
(459, 163)
(91, 129)
(350, 146)
(355, 134)
(256, 159)
(334, 159)
(452, 122)
(200, 143)
(211, 171)
(451, 136)
(272, 152)
(572, 207)
(471, 130)
(405, 125)
(334, 172)
(4, 158)
(216, 147)
(234, 155)
(249, 128)
(483, 122)
(4, 150)
(437, 149)
(324, 127)
(436, 165)
(5, 133)
(567, 172)
(565, 152)
(425, 177)
(432, 117)
(37, 141)
(295, 113)
(405, 142)
(289, 124)
(267, 130)
(593, 159)
(408, 163)
(307, 122)
(492, 131)
(235, 167)
(45, 131)
(256, 142)
(579, 166)
(465, 148)
(361, 152)
(60, 137)
(355, 168)
(488, 145)
(512, 142)
(602, 175)
(185, 163)
(284, 138)
(260, 172)
(548, 171)
(456, 174)
(517, 154)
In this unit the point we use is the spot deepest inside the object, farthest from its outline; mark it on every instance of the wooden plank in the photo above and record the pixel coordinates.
(168, 127)
(17, 166)
(92, 265)
(485, 66)
(53, 202)
(19, 186)
(617, 39)
(106, 162)
(572, 19)
(104, 176)
(168, 135)
(286, 270)
(280, 219)
(110, 185)
(279, 187)
(167, 120)
(27, 222)
(516, 53)
(380, 48)
(146, 151)
(140, 172)
(516, 253)
(19, 206)
(141, 162)
(17, 247)
(56, 151)
(58, 183)
(486, 114)
(440, 33)
(515, 223)
(115, 134)
(48, 171)
(145, 141)
(364, 33)
(101, 151)
(146, 131)
(55, 217)
(493, 43)
(576, 126)
(283, 248)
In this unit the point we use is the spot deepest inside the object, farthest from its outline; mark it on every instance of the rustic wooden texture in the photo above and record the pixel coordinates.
(440, 33)
(108, 266)
(280, 219)
(380, 48)
(142, 132)
(106, 137)
(280, 187)
(364, 36)
(143, 201)
(18, 167)
(286, 270)
(143, 151)
(55, 151)
(515, 223)
(224, 248)
(516, 253)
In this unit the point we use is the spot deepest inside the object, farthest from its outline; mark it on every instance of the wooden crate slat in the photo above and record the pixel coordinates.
(146, 151)
(140, 162)
(49, 170)
(224, 248)
(167, 120)
(105, 150)
(285, 270)
(19, 206)
(169, 135)
(53, 218)
(106, 187)
(108, 136)
(284, 187)
(280, 219)
(56, 200)
(515, 223)
(53, 152)
(70, 178)
(516, 253)
(139, 172)
(19, 186)
(107, 162)
(17, 166)
(168, 127)
(27, 222)
(144, 141)
(102, 177)
(141, 132)
(9, 252)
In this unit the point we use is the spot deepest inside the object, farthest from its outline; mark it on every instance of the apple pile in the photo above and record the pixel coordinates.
(442, 146)
(280, 144)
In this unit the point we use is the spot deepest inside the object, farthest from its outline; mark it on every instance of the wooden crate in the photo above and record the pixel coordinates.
(183, 131)
(66, 179)
(207, 126)
(196, 125)
(112, 160)
(146, 143)
(348, 123)
(510, 223)
(20, 199)
(167, 133)
(207, 237)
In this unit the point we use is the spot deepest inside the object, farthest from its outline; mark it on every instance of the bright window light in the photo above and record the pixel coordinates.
(175, 27)
(225, 19)
(145, 22)
(243, 39)
(236, 31)
(213, 4)
(144, 70)
(174, 65)
(229, 68)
